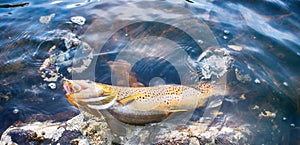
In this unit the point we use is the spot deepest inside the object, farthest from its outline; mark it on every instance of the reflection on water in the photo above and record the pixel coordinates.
(267, 31)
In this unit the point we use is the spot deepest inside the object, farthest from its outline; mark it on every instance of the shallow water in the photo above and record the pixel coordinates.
(267, 31)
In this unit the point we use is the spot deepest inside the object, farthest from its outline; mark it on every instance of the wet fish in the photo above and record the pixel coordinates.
(136, 105)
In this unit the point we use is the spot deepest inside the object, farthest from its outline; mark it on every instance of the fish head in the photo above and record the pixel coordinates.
(88, 94)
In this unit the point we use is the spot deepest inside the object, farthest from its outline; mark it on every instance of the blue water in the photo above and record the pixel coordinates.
(268, 32)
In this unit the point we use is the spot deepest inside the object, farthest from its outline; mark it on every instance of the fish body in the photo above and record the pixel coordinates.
(136, 105)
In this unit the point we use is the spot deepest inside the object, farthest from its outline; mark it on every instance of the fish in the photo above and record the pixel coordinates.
(136, 105)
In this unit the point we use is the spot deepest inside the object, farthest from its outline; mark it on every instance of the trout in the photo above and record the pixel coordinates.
(137, 105)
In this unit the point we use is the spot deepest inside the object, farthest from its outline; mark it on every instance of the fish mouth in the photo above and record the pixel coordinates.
(67, 85)
(74, 86)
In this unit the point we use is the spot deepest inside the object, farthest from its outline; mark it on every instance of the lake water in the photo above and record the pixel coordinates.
(263, 37)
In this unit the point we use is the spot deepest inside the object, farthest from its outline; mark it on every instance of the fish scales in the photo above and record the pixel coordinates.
(136, 105)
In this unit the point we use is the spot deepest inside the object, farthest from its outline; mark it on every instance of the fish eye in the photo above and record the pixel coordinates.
(100, 92)
(76, 88)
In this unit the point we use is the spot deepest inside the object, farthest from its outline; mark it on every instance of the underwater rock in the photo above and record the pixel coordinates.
(212, 63)
(78, 20)
(46, 19)
(75, 56)
(37, 132)
(193, 135)
(81, 129)
(242, 76)
(88, 129)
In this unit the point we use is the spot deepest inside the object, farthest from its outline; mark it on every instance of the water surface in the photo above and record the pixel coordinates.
(267, 31)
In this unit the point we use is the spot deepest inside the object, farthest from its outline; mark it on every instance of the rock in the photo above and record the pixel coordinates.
(81, 129)
(37, 132)
(235, 47)
(78, 20)
(242, 76)
(212, 63)
(87, 129)
(46, 19)
(19, 135)
(194, 141)
(193, 135)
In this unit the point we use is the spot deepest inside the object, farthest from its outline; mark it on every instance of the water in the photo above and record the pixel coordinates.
(267, 31)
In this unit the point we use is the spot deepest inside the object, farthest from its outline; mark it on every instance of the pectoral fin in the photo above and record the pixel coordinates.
(177, 110)
(128, 99)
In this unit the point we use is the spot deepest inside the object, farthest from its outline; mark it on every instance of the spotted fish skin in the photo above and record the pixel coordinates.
(153, 104)
(136, 105)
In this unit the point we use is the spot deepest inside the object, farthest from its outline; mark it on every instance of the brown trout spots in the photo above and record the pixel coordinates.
(166, 98)
(139, 105)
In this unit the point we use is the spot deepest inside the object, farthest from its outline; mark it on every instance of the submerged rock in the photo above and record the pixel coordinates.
(46, 19)
(87, 129)
(78, 20)
(81, 129)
